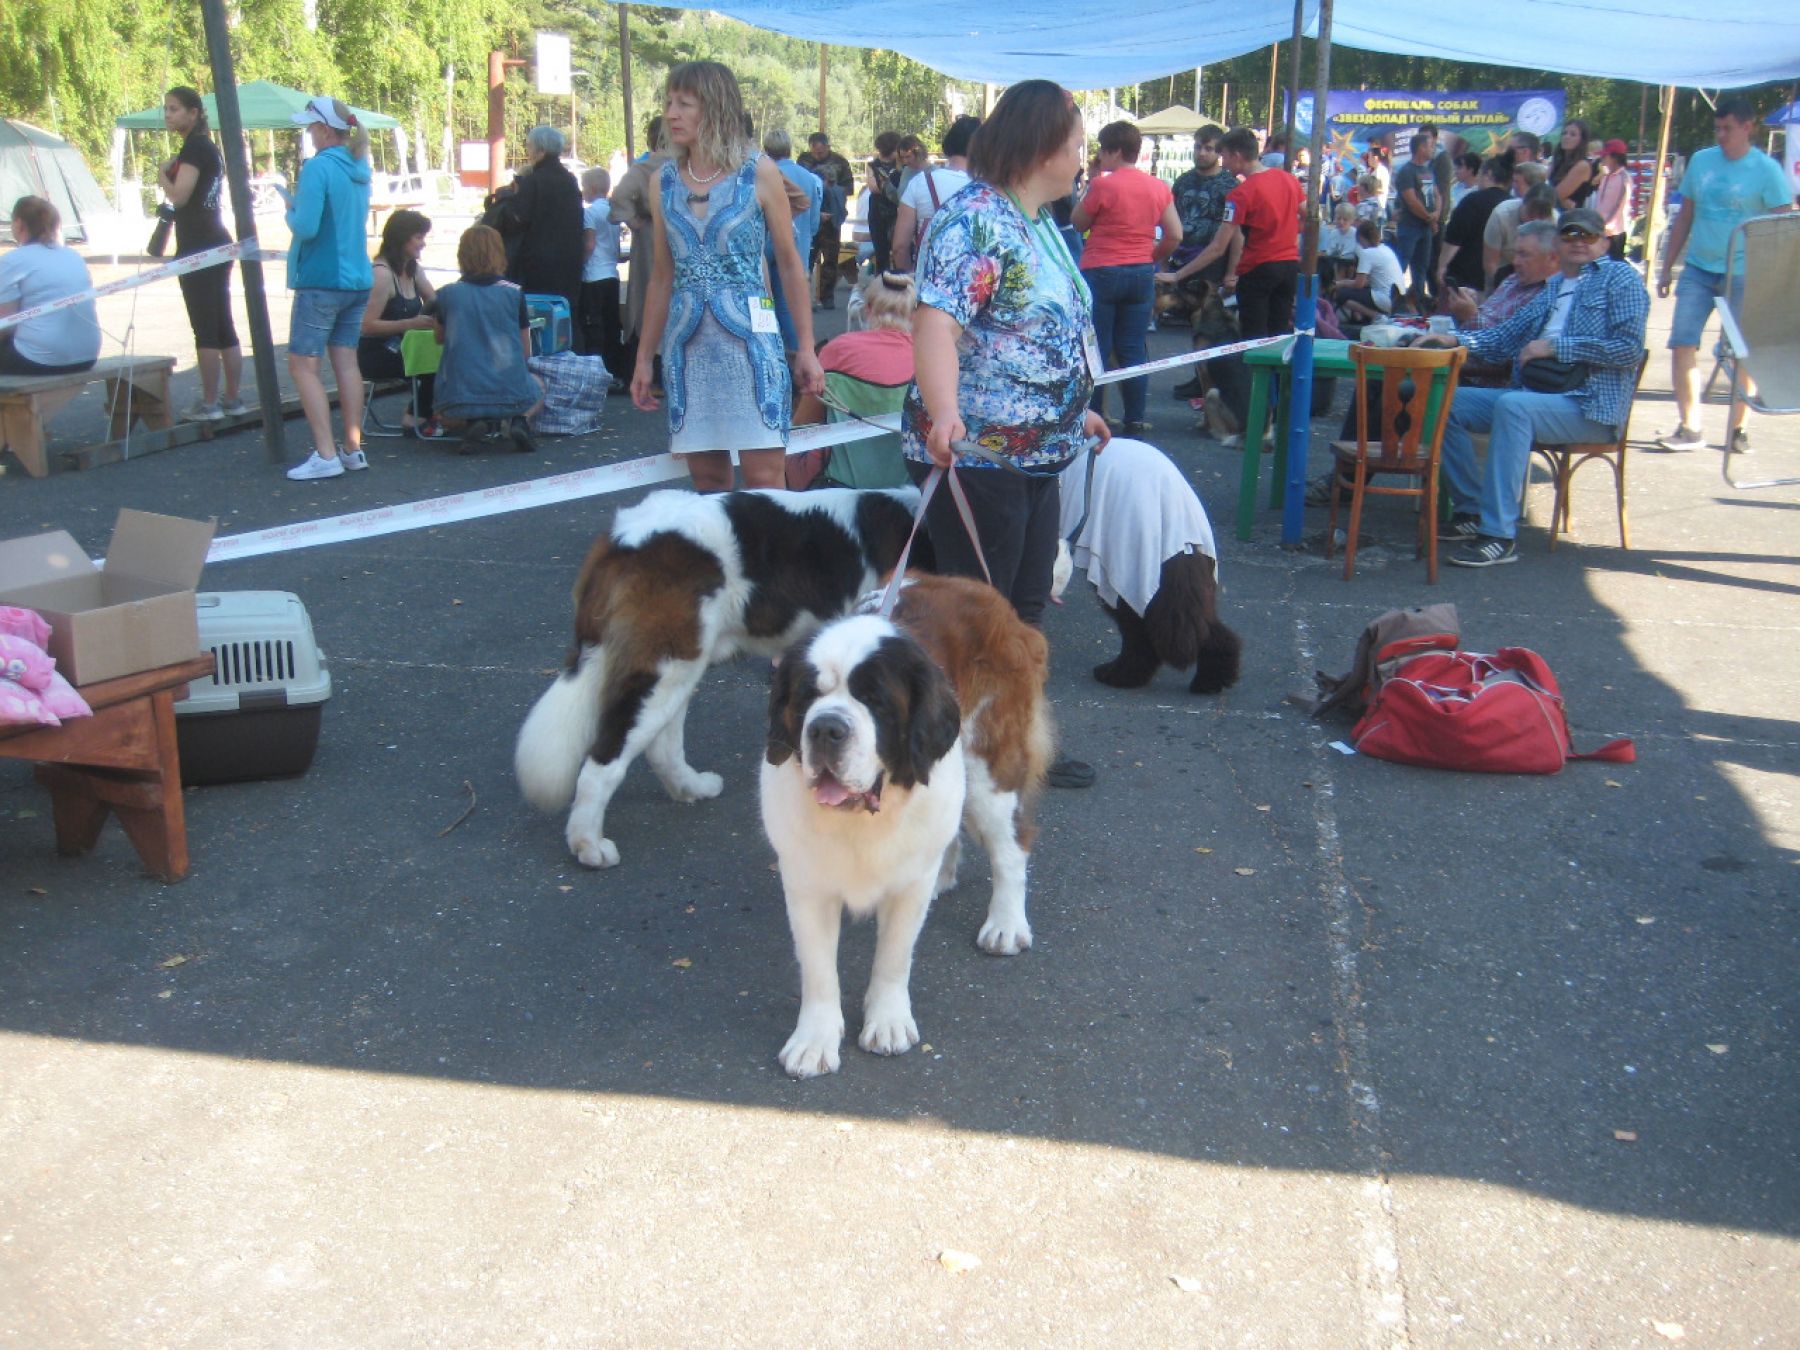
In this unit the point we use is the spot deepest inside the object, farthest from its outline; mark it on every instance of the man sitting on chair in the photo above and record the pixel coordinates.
(1590, 316)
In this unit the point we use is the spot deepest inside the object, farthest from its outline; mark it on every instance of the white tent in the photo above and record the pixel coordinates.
(1085, 46)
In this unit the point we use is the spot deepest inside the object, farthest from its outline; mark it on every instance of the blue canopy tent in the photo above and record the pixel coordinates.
(1083, 46)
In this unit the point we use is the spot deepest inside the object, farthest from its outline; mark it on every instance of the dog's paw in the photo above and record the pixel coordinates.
(1004, 935)
(592, 850)
(695, 786)
(1120, 674)
(888, 1027)
(813, 1048)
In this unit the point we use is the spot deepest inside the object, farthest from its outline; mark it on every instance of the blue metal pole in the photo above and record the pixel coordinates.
(1299, 397)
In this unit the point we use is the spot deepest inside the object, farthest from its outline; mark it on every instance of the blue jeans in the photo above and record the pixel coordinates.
(325, 318)
(1695, 290)
(1122, 297)
(1412, 238)
(1513, 419)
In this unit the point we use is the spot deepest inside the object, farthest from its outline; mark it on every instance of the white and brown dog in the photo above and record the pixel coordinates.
(680, 583)
(883, 736)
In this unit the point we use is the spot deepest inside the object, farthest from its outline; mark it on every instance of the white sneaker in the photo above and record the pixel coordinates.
(352, 460)
(202, 412)
(317, 466)
(233, 407)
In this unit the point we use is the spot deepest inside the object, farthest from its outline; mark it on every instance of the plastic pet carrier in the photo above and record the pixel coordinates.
(552, 326)
(258, 715)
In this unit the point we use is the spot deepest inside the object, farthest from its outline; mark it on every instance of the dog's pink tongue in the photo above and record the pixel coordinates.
(829, 792)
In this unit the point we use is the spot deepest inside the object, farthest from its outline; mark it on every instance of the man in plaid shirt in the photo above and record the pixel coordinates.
(1593, 313)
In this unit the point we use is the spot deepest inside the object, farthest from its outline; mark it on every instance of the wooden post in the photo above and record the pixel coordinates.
(1293, 91)
(496, 119)
(1225, 104)
(237, 172)
(1656, 185)
(625, 81)
(1274, 70)
(822, 68)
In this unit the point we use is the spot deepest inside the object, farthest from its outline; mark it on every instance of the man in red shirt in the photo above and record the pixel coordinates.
(1259, 238)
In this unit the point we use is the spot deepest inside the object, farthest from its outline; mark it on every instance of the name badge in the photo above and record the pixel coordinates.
(1090, 346)
(762, 315)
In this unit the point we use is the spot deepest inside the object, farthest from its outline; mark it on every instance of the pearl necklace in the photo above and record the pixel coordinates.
(697, 180)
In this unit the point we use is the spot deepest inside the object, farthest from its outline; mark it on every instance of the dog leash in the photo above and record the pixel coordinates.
(938, 473)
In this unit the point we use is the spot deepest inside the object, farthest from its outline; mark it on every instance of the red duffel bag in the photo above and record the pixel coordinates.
(1485, 714)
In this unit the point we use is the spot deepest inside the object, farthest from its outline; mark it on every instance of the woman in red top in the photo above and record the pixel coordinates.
(1121, 214)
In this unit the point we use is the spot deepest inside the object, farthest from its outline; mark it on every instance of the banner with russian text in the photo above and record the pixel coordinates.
(1482, 117)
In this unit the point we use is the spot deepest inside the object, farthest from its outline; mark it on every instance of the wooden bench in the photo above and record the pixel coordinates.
(137, 389)
(123, 760)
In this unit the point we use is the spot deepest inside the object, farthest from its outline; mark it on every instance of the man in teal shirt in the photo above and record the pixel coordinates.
(1724, 185)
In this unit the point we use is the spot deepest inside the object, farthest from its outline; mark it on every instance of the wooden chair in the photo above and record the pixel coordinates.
(1408, 438)
(1563, 460)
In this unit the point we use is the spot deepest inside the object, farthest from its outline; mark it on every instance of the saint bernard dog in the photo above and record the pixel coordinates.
(1148, 548)
(883, 736)
(680, 583)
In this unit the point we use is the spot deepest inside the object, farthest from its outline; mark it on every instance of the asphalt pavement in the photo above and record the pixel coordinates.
(1312, 1050)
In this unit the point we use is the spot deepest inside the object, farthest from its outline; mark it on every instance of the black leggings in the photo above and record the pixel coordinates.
(1018, 520)
(11, 363)
(381, 364)
(208, 297)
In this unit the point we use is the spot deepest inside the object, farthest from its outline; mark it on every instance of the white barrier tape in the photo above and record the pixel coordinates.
(500, 500)
(194, 262)
(595, 482)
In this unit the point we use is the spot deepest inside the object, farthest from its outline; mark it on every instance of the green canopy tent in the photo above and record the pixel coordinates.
(266, 106)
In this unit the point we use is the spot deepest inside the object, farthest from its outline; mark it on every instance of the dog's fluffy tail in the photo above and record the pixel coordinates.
(558, 732)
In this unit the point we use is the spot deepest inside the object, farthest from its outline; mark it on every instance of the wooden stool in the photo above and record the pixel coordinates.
(122, 760)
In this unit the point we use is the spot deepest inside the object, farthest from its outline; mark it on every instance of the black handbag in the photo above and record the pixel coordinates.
(1549, 376)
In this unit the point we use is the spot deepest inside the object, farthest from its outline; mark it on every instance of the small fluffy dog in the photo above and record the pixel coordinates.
(882, 736)
(680, 583)
(1148, 548)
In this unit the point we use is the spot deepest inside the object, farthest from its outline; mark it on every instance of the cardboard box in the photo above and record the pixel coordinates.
(135, 615)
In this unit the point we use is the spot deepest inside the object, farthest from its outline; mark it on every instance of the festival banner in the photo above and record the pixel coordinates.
(1482, 117)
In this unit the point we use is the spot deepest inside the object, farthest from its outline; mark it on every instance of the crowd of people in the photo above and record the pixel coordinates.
(1009, 272)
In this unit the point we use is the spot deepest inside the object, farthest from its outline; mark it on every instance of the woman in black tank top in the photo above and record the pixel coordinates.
(399, 302)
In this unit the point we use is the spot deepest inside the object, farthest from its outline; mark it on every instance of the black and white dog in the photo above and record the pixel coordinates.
(1148, 548)
(680, 583)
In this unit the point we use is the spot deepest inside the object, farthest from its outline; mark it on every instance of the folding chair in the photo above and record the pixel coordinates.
(419, 355)
(878, 461)
(1762, 339)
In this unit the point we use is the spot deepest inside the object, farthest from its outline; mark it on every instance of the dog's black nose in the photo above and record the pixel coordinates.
(828, 731)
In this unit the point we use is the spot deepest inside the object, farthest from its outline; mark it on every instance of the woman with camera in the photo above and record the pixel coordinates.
(193, 184)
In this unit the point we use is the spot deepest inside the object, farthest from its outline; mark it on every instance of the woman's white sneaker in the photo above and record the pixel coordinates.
(352, 460)
(317, 466)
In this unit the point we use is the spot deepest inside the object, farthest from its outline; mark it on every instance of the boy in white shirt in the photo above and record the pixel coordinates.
(1370, 297)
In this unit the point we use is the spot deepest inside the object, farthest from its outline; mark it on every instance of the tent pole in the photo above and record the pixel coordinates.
(1306, 304)
(1293, 87)
(1225, 104)
(237, 173)
(625, 80)
(1199, 73)
(1656, 183)
(822, 68)
(1274, 72)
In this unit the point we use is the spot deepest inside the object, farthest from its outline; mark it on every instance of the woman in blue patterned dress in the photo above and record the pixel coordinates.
(1004, 346)
(709, 311)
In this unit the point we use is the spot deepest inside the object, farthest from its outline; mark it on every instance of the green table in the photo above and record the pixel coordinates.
(1330, 357)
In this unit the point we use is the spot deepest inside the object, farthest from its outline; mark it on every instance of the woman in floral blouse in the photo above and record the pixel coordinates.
(1004, 347)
